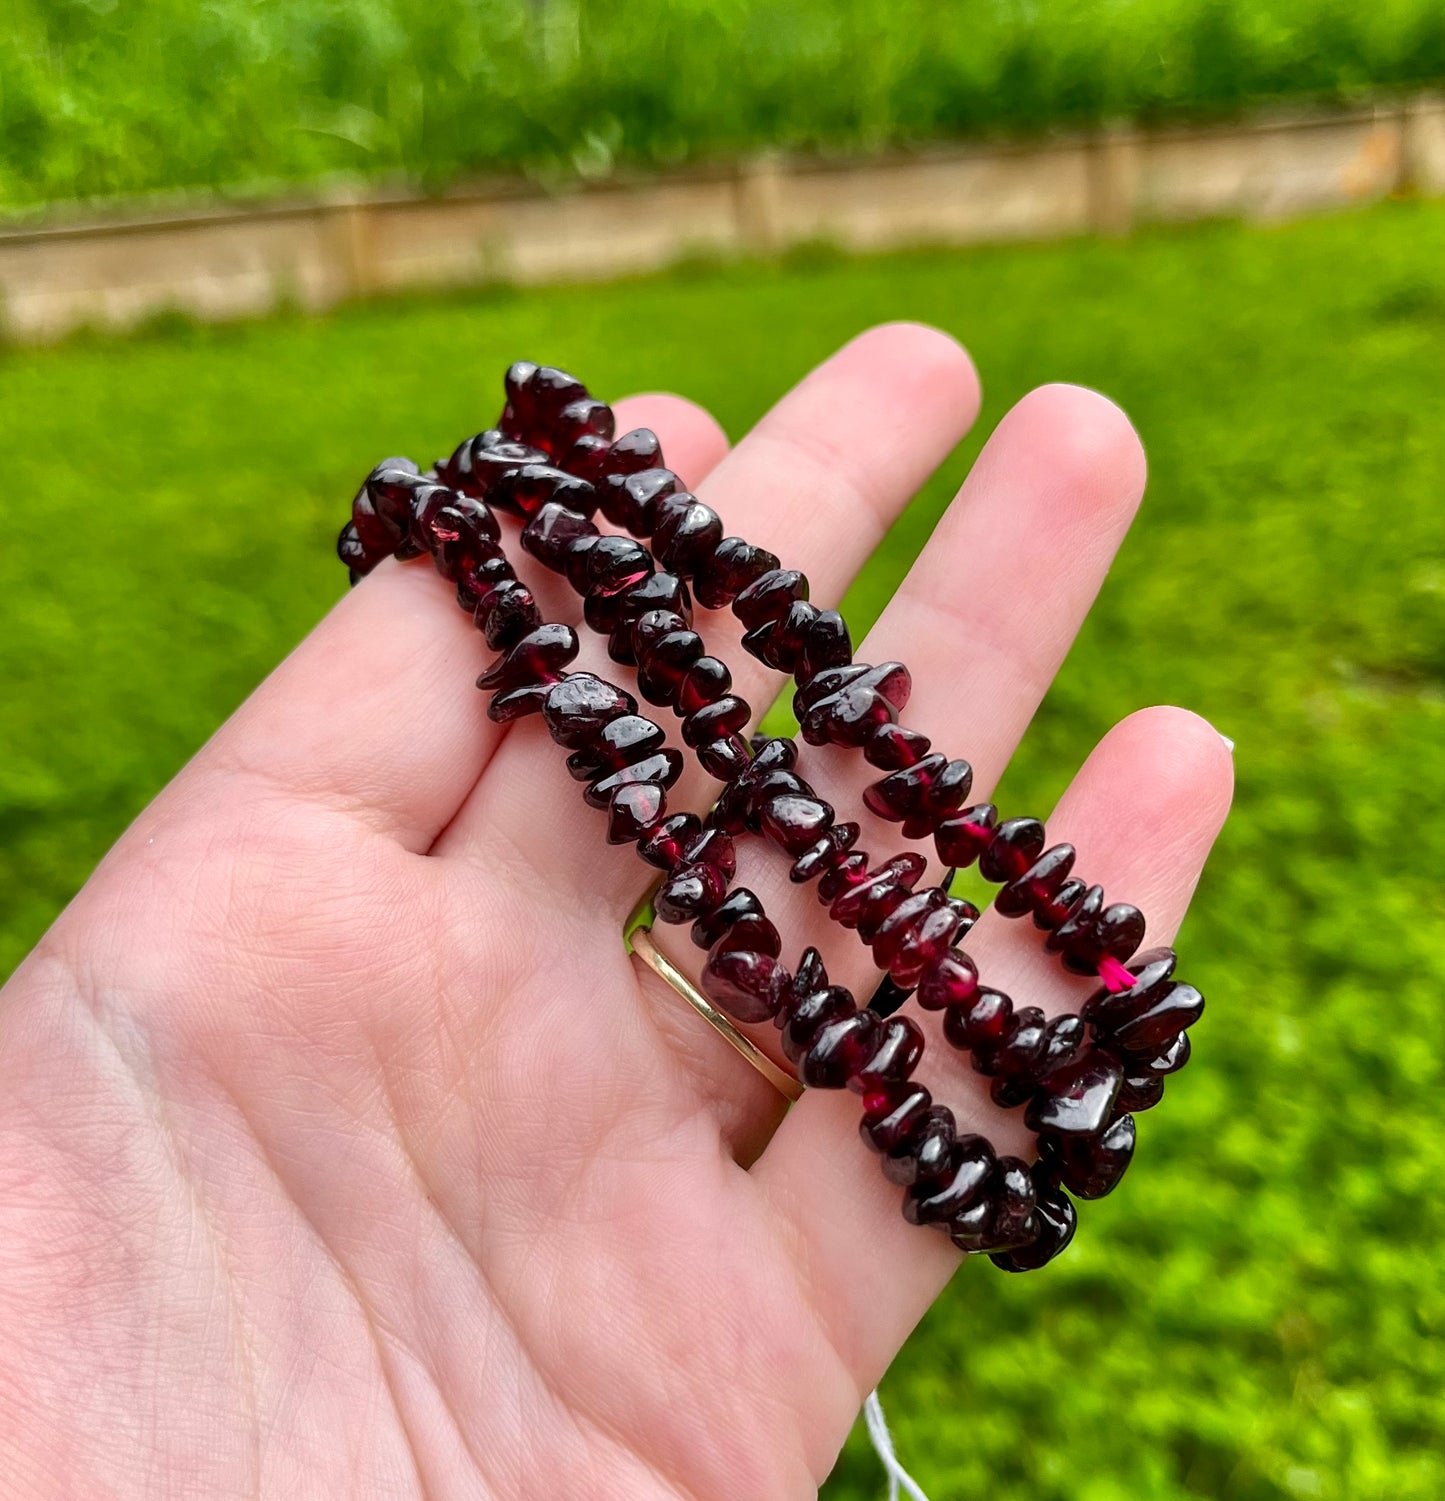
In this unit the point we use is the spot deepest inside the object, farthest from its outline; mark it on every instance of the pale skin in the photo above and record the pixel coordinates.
(344, 1151)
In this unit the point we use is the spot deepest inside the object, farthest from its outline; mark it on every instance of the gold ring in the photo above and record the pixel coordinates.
(639, 940)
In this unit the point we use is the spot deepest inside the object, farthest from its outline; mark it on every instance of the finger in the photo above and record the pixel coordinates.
(1143, 812)
(375, 712)
(819, 480)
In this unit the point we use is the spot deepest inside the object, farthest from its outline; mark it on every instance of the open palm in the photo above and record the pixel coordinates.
(344, 1151)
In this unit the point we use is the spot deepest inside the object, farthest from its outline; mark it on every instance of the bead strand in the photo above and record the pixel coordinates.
(1073, 1089)
(1071, 1082)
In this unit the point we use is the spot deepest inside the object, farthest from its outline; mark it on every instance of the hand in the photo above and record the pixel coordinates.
(343, 1151)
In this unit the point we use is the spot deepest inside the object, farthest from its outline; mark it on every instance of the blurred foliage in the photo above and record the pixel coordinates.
(1259, 1316)
(101, 97)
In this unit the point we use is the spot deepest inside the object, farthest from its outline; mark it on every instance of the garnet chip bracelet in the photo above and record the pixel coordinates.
(551, 462)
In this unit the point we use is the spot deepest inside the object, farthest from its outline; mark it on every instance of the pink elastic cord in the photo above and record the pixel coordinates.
(1114, 975)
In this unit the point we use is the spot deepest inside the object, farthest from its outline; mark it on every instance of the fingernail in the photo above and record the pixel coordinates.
(1228, 743)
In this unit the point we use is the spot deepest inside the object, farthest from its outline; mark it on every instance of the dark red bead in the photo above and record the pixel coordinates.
(926, 1155)
(1078, 1099)
(667, 844)
(479, 462)
(897, 1051)
(945, 794)
(893, 747)
(1091, 1166)
(585, 417)
(1019, 1049)
(538, 657)
(898, 794)
(426, 501)
(663, 665)
(781, 645)
(1076, 927)
(685, 536)
(768, 775)
(580, 707)
(903, 920)
(462, 533)
(714, 847)
(523, 491)
(1142, 1090)
(378, 538)
(769, 597)
(1173, 1008)
(480, 574)
(1056, 1219)
(552, 533)
(688, 892)
(724, 716)
(1050, 912)
(755, 933)
(1037, 884)
(738, 904)
(1115, 933)
(937, 1203)
(806, 1017)
(839, 1050)
(794, 821)
(662, 766)
(746, 984)
(725, 759)
(631, 503)
(617, 612)
(845, 705)
(917, 942)
(1015, 845)
(982, 1023)
(951, 981)
(826, 644)
(507, 613)
(892, 1113)
(1063, 1038)
(971, 1228)
(587, 458)
(351, 550)
(651, 626)
(630, 454)
(1014, 1195)
(1173, 1058)
(1106, 1010)
(707, 680)
(388, 488)
(961, 839)
(865, 905)
(612, 566)
(734, 565)
(810, 976)
(617, 743)
(634, 809)
(842, 876)
(514, 703)
(824, 853)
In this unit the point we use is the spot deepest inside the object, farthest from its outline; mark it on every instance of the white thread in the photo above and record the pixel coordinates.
(883, 1444)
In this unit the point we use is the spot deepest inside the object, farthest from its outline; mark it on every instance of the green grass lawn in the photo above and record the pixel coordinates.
(1260, 1313)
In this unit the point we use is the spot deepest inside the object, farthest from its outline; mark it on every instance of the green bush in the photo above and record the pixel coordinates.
(1259, 1315)
(102, 97)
